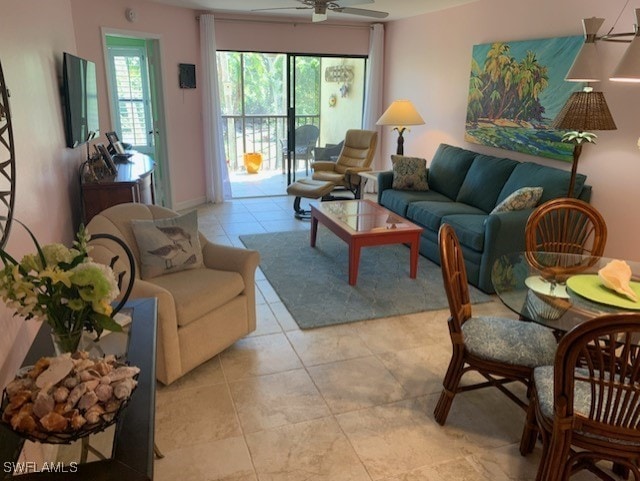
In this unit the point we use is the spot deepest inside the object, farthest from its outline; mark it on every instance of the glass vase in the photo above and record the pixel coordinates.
(66, 341)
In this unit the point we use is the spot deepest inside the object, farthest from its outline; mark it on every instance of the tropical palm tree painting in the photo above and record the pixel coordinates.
(516, 89)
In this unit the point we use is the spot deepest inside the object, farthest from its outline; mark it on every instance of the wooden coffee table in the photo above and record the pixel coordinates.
(363, 223)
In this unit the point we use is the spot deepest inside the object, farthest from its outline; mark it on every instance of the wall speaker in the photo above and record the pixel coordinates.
(187, 75)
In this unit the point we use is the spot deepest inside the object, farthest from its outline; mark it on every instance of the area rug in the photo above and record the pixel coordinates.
(313, 283)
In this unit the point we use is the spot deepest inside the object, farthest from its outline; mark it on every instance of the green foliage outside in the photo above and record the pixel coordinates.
(260, 79)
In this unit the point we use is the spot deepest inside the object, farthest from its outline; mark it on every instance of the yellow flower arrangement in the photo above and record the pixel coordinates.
(61, 286)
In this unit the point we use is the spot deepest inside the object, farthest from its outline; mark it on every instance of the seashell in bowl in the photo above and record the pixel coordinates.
(616, 275)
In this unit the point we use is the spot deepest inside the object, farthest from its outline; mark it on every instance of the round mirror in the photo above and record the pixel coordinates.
(7, 163)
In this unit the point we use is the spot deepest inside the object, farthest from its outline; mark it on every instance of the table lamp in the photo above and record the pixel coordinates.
(584, 111)
(400, 113)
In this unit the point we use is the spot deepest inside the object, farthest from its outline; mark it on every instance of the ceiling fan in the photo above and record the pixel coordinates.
(320, 8)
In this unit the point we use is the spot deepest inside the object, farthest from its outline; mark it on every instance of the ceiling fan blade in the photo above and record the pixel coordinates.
(279, 8)
(347, 3)
(361, 11)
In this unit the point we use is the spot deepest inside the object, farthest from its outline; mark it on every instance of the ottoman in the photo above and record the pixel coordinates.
(309, 189)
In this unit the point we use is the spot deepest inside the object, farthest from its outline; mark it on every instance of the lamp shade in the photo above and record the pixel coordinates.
(400, 113)
(585, 111)
(628, 69)
(586, 65)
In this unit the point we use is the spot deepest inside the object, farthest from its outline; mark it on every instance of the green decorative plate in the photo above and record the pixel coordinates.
(591, 287)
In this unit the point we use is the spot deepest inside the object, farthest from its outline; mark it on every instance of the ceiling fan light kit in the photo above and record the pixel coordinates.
(319, 13)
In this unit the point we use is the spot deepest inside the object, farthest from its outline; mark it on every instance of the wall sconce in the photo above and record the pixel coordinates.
(400, 113)
(586, 66)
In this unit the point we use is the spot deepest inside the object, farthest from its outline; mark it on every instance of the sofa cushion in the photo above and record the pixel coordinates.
(525, 198)
(168, 245)
(484, 181)
(430, 213)
(399, 200)
(409, 173)
(469, 229)
(448, 169)
(555, 182)
(199, 291)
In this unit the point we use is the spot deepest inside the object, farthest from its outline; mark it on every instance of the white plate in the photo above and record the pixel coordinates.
(541, 286)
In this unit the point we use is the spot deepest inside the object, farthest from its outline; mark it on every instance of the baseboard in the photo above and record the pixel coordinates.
(189, 204)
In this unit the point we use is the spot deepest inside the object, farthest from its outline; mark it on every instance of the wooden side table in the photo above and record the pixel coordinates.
(371, 175)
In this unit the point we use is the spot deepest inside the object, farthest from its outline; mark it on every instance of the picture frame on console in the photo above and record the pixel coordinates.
(115, 146)
(106, 157)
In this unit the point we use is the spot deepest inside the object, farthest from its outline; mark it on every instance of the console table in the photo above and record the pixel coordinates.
(132, 453)
(132, 183)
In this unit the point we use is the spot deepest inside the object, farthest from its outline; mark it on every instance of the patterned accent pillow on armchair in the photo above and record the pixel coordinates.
(168, 245)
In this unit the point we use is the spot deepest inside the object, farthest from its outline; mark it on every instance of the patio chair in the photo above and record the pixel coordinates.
(306, 137)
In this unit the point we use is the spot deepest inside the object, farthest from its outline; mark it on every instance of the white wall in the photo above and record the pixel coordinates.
(427, 60)
(347, 111)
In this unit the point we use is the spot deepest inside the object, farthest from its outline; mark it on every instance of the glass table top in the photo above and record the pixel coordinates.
(363, 216)
(559, 290)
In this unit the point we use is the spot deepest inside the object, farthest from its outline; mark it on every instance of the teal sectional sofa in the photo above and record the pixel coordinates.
(464, 187)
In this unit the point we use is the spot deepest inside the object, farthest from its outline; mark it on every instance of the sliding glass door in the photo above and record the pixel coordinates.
(326, 98)
(278, 108)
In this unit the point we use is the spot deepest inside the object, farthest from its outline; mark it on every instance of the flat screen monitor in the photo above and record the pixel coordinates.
(80, 92)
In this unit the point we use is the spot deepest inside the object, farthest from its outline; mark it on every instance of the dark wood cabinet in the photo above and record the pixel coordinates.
(133, 183)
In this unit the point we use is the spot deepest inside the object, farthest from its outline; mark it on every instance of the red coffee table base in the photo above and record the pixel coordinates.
(362, 223)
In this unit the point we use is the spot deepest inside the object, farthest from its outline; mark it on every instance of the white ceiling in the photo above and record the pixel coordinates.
(397, 9)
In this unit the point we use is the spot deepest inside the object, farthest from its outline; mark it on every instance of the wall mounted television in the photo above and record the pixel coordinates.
(80, 99)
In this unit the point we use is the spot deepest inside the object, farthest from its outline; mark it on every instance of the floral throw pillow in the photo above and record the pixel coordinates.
(409, 173)
(524, 198)
(168, 245)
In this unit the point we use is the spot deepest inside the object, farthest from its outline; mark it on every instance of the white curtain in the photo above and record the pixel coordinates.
(216, 172)
(373, 88)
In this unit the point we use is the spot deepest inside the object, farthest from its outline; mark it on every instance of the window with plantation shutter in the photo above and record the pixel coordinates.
(131, 96)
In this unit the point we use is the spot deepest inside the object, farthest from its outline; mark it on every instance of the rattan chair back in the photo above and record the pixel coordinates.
(596, 397)
(564, 226)
(454, 276)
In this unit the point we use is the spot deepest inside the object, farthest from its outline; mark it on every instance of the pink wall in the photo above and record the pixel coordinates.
(428, 60)
(177, 31)
(33, 35)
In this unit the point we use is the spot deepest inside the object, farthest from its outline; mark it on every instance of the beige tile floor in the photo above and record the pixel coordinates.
(352, 402)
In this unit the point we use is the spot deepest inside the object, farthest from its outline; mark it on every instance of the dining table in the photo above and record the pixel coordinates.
(560, 290)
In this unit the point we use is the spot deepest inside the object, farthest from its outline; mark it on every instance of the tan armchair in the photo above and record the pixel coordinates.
(201, 311)
(356, 156)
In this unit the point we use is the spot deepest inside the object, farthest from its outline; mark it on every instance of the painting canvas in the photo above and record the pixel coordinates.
(516, 89)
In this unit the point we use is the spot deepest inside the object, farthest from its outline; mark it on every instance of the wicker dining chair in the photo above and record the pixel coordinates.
(564, 226)
(501, 350)
(589, 399)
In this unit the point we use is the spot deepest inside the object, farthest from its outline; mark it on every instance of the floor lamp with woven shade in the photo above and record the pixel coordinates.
(584, 111)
